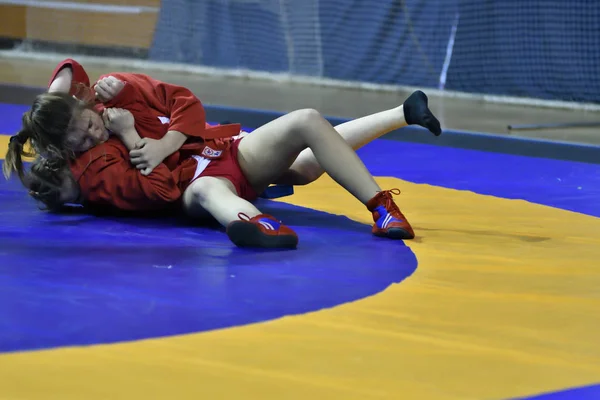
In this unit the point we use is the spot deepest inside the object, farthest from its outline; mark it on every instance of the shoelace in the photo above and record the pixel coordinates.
(390, 205)
(243, 217)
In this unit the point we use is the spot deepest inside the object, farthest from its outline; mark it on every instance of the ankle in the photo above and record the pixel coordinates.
(399, 111)
(374, 201)
(382, 198)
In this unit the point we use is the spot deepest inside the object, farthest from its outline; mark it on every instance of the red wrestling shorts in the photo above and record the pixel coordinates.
(228, 167)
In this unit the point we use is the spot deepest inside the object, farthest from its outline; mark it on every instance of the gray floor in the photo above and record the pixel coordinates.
(458, 114)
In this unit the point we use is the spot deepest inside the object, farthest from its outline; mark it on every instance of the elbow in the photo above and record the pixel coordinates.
(159, 187)
(171, 197)
(165, 195)
(164, 192)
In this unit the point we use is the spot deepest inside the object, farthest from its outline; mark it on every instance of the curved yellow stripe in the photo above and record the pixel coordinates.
(504, 303)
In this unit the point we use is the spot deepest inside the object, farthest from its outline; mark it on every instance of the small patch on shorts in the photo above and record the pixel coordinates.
(210, 153)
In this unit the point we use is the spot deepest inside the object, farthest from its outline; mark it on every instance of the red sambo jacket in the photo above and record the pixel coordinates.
(105, 173)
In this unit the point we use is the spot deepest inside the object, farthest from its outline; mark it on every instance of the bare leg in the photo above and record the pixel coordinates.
(364, 130)
(271, 149)
(356, 133)
(217, 197)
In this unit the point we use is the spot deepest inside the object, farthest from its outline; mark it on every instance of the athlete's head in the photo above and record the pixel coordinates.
(58, 125)
(50, 182)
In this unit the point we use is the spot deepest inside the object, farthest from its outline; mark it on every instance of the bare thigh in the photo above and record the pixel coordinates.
(270, 150)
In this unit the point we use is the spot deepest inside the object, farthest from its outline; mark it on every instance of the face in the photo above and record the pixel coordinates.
(87, 131)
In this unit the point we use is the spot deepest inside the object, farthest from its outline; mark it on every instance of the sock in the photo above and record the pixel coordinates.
(416, 112)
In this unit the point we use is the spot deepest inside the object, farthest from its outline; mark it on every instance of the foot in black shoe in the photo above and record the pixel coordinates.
(416, 112)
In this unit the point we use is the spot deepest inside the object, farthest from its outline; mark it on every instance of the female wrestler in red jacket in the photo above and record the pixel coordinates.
(273, 152)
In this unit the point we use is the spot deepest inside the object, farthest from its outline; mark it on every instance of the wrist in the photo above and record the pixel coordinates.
(167, 145)
(122, 133)
(129, 137)
(172, 141)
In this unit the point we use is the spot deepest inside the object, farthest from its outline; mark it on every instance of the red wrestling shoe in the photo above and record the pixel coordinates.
(389, 220)
(261, 231)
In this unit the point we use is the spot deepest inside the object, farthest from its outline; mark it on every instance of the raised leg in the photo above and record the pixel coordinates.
(270, 150)
(361, 131)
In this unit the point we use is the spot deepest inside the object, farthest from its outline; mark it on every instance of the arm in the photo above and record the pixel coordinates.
(133, 91)
(149, 153)
(172, 141)
(146, 154)
(188, 115)
(65, 75)
(122, 124)
(130, 137)
(109, 179)
(186, 112)
(62, 81)
(186, 119)
(127, 90)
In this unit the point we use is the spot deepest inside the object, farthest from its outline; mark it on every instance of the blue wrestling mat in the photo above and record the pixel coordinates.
(77, 279)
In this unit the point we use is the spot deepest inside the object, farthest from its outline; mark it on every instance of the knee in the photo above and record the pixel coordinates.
(308, 114)
(306, 119)
(201, 190)
(307, 173)
(210, 189)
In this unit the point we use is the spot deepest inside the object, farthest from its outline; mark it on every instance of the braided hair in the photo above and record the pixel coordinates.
(47, 181)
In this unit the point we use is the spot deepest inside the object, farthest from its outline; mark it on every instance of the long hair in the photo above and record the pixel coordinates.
(45, 126)
(45, 181)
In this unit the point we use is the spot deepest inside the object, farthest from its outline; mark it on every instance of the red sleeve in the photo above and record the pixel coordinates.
(187, 114)
(184, 109)
(129, 97)
(106, 177)
(79, 74)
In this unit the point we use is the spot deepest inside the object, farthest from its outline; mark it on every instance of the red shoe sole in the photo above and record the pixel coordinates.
(247, 234)
(395, 233)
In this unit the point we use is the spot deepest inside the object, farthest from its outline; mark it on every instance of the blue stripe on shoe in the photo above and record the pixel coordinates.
(384, 217)
(269, 224)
